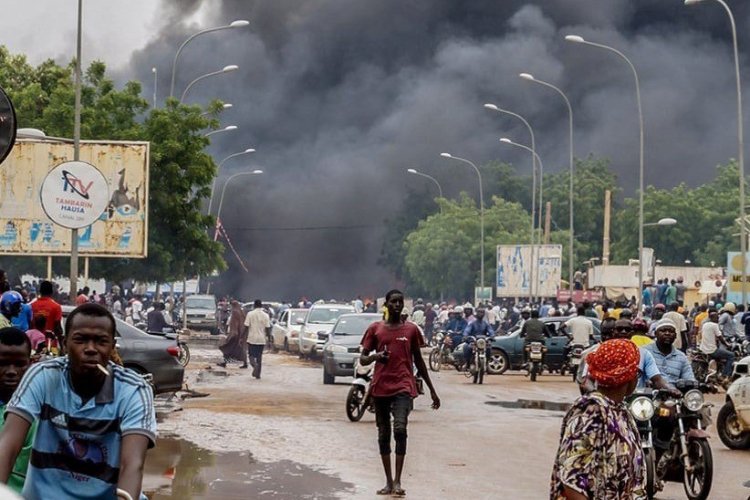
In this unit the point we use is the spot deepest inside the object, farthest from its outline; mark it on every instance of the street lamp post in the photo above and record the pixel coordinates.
(417, 172)
(234, 24)
(741, 143)
(225, 106)
(571, 240)
(579, 39)
(505, 140)
(218, 170)
(533, 188)
(76, 151)
(224, 189)
(228, 128)
(665, 221)
(225, 69)
(481, 213)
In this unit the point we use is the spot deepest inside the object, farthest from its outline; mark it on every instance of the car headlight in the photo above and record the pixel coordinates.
(693, 400)
(211, 315)
(642, 408)
(333, 348)
(481, 344)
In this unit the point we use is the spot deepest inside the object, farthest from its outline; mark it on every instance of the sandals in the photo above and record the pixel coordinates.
(385, 491)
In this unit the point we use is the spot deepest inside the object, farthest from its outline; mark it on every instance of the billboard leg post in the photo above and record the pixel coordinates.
(49, 268)
(73, 264)
(85, 271)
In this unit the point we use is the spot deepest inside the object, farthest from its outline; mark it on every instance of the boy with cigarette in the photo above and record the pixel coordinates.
(95, 419)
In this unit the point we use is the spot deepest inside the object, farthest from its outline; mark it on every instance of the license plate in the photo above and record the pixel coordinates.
(576, 361)
(536, 356)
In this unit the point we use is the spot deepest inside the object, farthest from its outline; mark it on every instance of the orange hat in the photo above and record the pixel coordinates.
(614, 363)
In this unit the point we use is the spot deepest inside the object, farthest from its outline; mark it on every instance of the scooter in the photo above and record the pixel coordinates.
(733, 421)
(535, 351)
(573, 360)
(358, 400)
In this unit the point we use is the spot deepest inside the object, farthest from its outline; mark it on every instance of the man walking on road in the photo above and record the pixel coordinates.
(394, 346)
(256, 321)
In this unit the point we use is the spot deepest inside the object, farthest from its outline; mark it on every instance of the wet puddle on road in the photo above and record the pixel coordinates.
(179, 469)
(531, 404)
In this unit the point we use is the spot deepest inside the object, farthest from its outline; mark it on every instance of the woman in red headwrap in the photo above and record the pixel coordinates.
(600, 455)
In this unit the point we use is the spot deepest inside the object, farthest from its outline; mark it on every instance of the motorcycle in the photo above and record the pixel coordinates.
(680, 451)
(358, 400)
(573, 360)
(706, 370)
(535, 356)
(641, 407)
(442, 353)
(733, 421)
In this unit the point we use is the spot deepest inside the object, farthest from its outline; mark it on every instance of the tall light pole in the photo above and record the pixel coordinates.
(155, 72)
(741, 143)
(417, 172)
(234, 24)
(225, 69)
(228, 128)
(505, 140)
(579, 39)
(218, 170)
(224, 189)
(571, 240)
(533, 188)
(481, 213)
(76, 151)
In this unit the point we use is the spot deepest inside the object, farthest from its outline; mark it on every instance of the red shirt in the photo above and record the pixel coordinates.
(81, 299)
(47, 307)
(396, 375)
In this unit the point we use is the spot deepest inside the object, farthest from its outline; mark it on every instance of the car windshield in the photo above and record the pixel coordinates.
(327, 314)
(353, 325)
(295, 316)
(200, 303)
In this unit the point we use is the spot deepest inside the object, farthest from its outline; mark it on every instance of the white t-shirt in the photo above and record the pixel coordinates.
(709, 331)
(257, 321)
(581, 329)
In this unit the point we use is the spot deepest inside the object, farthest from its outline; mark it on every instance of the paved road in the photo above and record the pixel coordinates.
(473, 447)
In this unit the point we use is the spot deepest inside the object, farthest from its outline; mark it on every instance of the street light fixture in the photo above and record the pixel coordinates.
(740, 141)
(481, 212)
(225, 69)
(581, 40)
(666, 221)
(224, 106)
(240, 23)
(417, 172)
(224, 189)
(228, 128)
(571, 240)
(218, 170)
(493, 107)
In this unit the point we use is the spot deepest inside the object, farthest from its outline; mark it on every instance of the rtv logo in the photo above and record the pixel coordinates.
(75, 184)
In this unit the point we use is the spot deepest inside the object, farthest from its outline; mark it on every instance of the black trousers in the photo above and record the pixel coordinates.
(255, 353)
(399, 405)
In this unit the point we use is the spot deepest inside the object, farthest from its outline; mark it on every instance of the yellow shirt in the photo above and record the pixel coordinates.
(615, 313)
(641, 340)
(700, 318)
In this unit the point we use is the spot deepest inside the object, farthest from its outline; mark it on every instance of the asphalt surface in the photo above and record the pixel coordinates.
(482, 443)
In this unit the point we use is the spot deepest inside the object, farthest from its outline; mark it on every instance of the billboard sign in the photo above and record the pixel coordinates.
(119, 229)
(734, 276)
(74, 194)
(514, 265)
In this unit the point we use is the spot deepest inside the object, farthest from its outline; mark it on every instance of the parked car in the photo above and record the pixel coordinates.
(148, 354)
(201, 313)
(317, 324)
(342, 347)
(285, 331)
(508, 353)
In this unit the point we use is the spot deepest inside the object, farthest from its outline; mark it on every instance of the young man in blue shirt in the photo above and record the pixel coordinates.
(93, 429)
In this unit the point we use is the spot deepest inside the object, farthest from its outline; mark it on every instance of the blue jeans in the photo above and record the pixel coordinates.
(728, 357)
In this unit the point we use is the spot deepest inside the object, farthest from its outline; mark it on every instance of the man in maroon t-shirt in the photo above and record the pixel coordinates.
(395, 349)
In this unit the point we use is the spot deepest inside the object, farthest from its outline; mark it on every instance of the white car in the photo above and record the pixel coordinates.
(318, 324)
(285, 331)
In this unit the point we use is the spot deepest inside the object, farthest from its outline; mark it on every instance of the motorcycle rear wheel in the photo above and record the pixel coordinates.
(435, 359)
(355, 403)
(184, 357)
(698, 483)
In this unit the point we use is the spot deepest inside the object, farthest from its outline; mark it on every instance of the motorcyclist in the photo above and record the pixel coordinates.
(673, 364)
(456, 325)
(533, 330)
(10, 307)
(525, 315)
(477, 328)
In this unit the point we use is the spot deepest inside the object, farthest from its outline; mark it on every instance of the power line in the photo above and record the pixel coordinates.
(354, 227)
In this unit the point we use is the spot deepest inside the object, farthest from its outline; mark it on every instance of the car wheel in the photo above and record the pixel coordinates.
(327, 377)
(498, 363)
(286, 345)
(730, 430)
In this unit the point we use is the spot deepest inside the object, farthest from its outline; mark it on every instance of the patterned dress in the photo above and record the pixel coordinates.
(600, 452)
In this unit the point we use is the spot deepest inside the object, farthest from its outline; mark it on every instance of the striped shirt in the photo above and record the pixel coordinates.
(76, 451)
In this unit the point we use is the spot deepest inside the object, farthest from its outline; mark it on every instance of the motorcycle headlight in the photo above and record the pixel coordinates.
(642, 408)
(693, 400)
(332, 348)
(481, 344)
